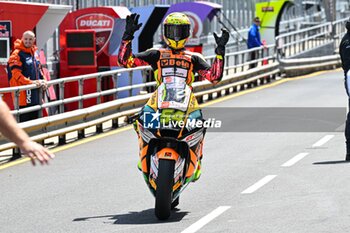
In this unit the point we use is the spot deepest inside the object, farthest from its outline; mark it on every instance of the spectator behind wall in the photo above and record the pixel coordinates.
(254, 41)
(26, 69)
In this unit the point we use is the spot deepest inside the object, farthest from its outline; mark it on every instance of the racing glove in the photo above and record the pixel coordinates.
(132, 25)
(221, 42)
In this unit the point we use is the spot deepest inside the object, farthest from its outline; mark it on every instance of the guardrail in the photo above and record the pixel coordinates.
(325, 36)
(60, 83)
(61, 124)
(239, 74)
(294, 43)
(339, 31)
(234, 62)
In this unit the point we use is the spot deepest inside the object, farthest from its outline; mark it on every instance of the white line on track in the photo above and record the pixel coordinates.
(259, 184)
(323, 140)
(295, 159)
(203, 221)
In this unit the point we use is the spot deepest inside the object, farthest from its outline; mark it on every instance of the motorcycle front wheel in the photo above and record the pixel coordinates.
(165, 182)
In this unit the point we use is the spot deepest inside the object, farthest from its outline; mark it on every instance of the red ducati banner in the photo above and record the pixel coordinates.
(102, 24)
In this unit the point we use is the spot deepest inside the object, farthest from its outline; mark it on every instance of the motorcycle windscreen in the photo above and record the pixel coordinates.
(174, 93)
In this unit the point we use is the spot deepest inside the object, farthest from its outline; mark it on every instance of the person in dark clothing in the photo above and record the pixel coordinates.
(254, 40)
(344, 51)
(26, 69)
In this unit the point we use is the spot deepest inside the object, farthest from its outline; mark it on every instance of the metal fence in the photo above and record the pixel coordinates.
(234, 62)
(294, 44)
(78, 120)
(288, 46)
(338, 32)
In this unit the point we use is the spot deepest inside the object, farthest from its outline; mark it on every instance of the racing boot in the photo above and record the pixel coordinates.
(198, 172)
(139, 166)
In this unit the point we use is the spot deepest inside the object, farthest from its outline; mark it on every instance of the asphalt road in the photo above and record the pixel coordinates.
(251, 182)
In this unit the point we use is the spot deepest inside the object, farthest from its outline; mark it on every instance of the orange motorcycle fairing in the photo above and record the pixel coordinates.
(143, 158)
(192, 165)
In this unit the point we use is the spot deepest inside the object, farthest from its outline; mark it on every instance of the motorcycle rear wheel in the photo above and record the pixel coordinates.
(165, 182)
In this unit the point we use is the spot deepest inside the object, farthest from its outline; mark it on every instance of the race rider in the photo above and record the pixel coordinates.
(176, 32)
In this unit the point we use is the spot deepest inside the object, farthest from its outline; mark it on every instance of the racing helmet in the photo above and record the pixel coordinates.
(176, 30)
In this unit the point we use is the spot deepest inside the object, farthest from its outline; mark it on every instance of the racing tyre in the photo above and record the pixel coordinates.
(165, 182)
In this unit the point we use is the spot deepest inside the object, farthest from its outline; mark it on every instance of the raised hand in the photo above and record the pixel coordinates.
(221, 41)
(132, 25)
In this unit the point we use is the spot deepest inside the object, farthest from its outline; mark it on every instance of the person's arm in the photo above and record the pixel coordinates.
(11, 130)
(15, 64)
(19, 77)
(214, 72)
(16, 71)
(129, 60)
(42, 80)
(344, 52)
(256, 37)
(259, 38)
(125, 56)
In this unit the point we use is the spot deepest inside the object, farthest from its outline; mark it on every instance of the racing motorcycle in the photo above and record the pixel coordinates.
(170, 134)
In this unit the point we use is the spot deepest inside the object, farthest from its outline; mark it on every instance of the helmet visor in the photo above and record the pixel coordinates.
(176, 32)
